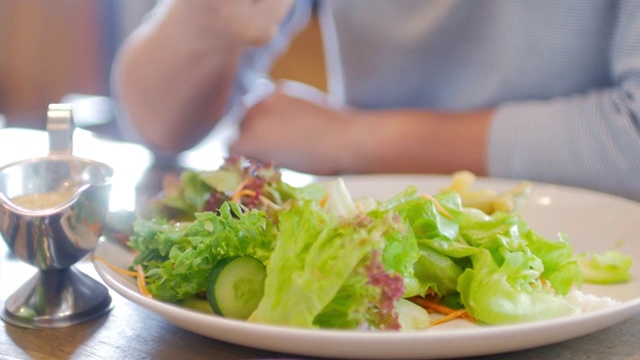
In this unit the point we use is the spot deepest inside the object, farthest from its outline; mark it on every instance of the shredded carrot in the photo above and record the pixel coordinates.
(462, 313)
(115, 268)
(544, 282)
(240, 187)
(439, 207)
(236, 197)
(264, 199)
(142, 283)
(323, 201)
(450, 314)
(138, 274)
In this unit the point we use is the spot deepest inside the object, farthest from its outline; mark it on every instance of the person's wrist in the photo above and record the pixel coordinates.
(385, 141)
(354, 151)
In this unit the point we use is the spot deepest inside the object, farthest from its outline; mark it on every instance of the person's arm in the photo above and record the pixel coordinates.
(589, 140)
(173, 77)
(312, 137)
(419, 141)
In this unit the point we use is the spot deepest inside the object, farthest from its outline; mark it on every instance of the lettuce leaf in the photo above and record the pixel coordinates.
(320, 273)
(498, 294)
(607, 268)
(516, 275)
(431, 269)
(499, 269)
(177, 259)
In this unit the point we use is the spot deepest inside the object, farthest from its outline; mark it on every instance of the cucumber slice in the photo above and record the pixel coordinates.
(236, 286)
(197, 304)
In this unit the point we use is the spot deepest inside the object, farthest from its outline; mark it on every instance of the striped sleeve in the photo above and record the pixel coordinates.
(590, 140)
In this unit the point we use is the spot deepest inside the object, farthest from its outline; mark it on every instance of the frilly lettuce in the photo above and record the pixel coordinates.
(179, 257)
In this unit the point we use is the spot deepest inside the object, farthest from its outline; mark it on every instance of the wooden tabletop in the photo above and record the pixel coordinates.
(129, 331)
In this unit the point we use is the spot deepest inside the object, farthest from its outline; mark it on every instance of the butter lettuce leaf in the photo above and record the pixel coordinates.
(498, 294)
(516, 275)
(607, 268)
(323, 271)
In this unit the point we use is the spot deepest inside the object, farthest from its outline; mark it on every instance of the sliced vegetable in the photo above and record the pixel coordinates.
(236, 286)
(198, 304)
(412, 317)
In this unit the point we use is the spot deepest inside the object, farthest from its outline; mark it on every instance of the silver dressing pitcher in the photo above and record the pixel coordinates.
(52, 210)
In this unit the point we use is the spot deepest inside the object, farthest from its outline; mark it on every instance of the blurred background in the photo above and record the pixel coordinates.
(61, 51)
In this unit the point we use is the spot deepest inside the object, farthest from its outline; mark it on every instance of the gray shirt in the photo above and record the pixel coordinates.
(563, 76)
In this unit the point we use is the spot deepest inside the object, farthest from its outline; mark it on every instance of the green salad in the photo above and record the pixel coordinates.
(252, 247)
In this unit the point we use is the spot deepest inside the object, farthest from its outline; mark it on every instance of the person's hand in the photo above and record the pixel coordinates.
(313, 137)
(246, 22)
(296, 133)
(173, 77)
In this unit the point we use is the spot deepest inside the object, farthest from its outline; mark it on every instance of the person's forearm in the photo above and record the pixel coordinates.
(414, 141)
(172, 82)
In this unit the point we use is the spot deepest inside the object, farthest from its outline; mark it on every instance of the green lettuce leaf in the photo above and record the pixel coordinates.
(177, 260)
(606, 268)
(516, 275)
(497, 294)
(318, 273)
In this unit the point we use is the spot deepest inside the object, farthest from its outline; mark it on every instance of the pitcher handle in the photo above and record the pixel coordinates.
(60, 128)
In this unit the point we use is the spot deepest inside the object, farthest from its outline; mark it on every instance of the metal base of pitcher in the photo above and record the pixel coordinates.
(57, 298)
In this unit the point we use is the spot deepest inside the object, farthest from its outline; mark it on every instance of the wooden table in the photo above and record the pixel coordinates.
(132, 332)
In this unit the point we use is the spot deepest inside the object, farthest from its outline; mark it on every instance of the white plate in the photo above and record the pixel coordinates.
(593, 222)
